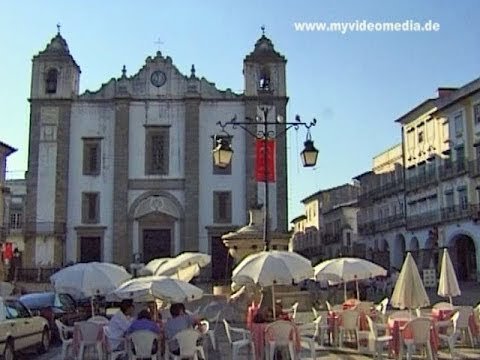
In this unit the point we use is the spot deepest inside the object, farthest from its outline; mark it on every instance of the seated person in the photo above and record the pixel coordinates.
(179, 321)
(144, 322)
(263, 315)
(279, 313)
(119, 324)
(351, 301)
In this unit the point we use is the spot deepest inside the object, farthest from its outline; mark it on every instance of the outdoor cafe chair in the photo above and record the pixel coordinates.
(279, 335)
(236, 345)
(349, 325)
(452, 337)
(98, 319)
(442, 305)
(111, 353)
(187, 343)
(89, 338)
(64, 332)
(211, 330)
(420, 329)
(379, 341)
(463, 324)
(142, 343)
(292, 311)
(309, 334)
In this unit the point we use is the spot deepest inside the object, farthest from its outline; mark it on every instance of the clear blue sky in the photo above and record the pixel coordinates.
(355, 84)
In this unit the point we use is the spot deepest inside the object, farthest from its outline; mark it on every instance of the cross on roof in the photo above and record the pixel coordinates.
(158, 43)
(263, 29)
(58, 28)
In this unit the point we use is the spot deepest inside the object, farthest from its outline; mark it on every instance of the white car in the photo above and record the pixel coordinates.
(20, 330)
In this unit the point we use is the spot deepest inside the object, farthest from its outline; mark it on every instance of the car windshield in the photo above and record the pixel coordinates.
(64, 302)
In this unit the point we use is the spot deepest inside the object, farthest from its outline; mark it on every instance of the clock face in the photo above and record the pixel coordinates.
(158, 78)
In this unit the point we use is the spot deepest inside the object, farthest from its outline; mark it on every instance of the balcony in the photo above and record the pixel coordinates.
(45, 228)
(474, 168)
(331, 238)
(423, 219)
(381, 191)
(367, 228)
(421, 180)
(456, 212)
(390, 222)
(452, 169)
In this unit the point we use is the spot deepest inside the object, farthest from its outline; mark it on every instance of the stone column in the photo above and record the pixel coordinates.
(122, 244)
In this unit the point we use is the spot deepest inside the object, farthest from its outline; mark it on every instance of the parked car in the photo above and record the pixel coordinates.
(53, 306)
(20, 330)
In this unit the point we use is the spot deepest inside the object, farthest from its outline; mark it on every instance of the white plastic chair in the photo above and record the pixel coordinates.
(211, 330)
(420, 328)
(315, 313)
(89, 338)
(442, 305)
(400, 315)
(98, 319)
(236, 345)
(187, 344)
(280, 333)
(142, 342)
(63, 332)
(364, 306)
(292, 311)
(379, 341)
(349, 325)
(452, 336)
(111, 353)
(463, 322)
(309, 334)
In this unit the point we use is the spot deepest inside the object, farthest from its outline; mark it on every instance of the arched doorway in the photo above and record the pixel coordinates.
(414, 249)
(463, 254)
(398, 252)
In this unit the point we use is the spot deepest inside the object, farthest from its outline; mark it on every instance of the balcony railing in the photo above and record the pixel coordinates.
(381, 191)
(452, 169)
(456, 212)
(390, 222)
(423, 219)
(474, 168)
(45, 228)
(421, 180)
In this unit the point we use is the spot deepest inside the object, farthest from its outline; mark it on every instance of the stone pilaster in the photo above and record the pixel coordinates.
(61, 181)
(251, 189)
(31, 180)
(191, 170)
(281, 169)
(122, 245)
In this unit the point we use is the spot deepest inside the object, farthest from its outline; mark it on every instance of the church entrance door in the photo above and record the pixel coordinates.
(156, 244)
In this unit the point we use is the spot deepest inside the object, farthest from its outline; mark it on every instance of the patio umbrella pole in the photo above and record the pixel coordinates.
(345, 291)
(451, 302)
(273, 302)
(93, 308)
(358, 292)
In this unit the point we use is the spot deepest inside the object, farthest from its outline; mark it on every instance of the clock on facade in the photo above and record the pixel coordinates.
(158, 78)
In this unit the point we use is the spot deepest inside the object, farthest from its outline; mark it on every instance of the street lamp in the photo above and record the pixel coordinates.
(223, 153)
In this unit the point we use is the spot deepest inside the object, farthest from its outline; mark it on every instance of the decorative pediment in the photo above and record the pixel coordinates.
(157, 204)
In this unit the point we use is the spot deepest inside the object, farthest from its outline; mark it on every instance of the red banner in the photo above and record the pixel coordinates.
(265, 173)
(7, 251)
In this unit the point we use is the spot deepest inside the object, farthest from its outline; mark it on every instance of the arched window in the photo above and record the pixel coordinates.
(51, 81)
(264, 80)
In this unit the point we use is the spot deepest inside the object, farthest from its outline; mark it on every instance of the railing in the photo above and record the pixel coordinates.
(456, 212)
(423, 219)
(331, 238)
(41, 275)
(452, 169)
(390, 222)
(474, 168)
(421, 180)
(381, 191)
(45, 228)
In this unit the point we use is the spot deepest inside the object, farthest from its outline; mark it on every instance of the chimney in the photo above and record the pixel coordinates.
(445, 91)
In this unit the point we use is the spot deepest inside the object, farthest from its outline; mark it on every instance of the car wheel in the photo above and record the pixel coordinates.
(8, 353)
(45, 344)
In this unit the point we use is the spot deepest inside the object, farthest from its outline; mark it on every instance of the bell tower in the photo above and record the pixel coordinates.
(54, 86)
(265, 85)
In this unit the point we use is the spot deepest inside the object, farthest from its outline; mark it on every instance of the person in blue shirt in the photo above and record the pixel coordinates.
(179, 321)
(144, 322)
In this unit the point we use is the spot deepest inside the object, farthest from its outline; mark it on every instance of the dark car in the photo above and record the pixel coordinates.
(54, 306)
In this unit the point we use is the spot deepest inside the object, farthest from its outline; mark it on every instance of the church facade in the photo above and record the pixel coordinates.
(126, 171)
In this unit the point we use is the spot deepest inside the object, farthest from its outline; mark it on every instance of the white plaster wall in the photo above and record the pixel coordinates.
(156, 113)
(91, 120)
(44, 250)
(210, 113)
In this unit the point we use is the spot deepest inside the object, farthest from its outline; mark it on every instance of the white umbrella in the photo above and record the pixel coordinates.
(6, 288)
(448, 284)
(182, 261)
(149, 288)
(347, 269)
(89, 279)
(270, 268)
(409, 292)
(153, 266)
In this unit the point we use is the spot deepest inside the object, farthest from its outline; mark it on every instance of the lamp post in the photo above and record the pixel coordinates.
(223, 153)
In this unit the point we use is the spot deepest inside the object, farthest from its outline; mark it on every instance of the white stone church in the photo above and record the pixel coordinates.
(126, 171)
